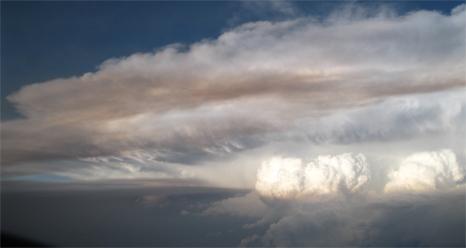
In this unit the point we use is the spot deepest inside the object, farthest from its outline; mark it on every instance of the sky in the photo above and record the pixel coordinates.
(302, 113)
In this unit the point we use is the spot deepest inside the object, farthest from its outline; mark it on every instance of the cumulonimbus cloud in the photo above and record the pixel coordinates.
(330, 174)
(326, 175)
(166, 101)
(426, 171)
(285, 178)
(280, 177)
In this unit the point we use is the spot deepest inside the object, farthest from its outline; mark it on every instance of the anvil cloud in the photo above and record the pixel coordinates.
(345, 79)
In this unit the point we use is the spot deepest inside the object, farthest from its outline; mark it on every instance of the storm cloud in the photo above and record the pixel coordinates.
(255, 84)
(288, 209)
(325, 175)
(426, 171)
(346, 128)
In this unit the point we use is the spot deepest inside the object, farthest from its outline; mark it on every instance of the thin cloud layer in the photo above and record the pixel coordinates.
(253, 85)
(129, 165)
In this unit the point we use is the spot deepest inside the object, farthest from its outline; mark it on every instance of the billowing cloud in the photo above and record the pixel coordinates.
(326, 175)
(331, 174)
(432, 221)
(280, 178)
(285, 178)
(426, 171)
(414, 219)
(214, 98)
(299, 203)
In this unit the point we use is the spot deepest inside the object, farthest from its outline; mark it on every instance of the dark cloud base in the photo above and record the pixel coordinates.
(175, 216)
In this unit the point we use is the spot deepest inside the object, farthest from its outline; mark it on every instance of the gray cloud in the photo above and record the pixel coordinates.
(392, 220)
(379, 223)
(248, 205)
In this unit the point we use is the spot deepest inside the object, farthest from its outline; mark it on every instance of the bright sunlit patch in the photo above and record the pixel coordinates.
(280, 177)
(331, 174)
(288, 177)
(426, 171)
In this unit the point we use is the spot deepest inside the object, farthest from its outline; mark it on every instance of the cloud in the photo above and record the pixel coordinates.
(280, 177)
(426, 171)
(246, 205)
(254, 85)
(330, 174)
(433, 221)
(347, 173)
(396, 118)
(331, 200)
(129, 165)
(285, 178)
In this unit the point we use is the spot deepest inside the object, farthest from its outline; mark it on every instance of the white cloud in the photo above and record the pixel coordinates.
(286, 178)
(426, 171)
(343, 174)
(280, 178)
(332, 174)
